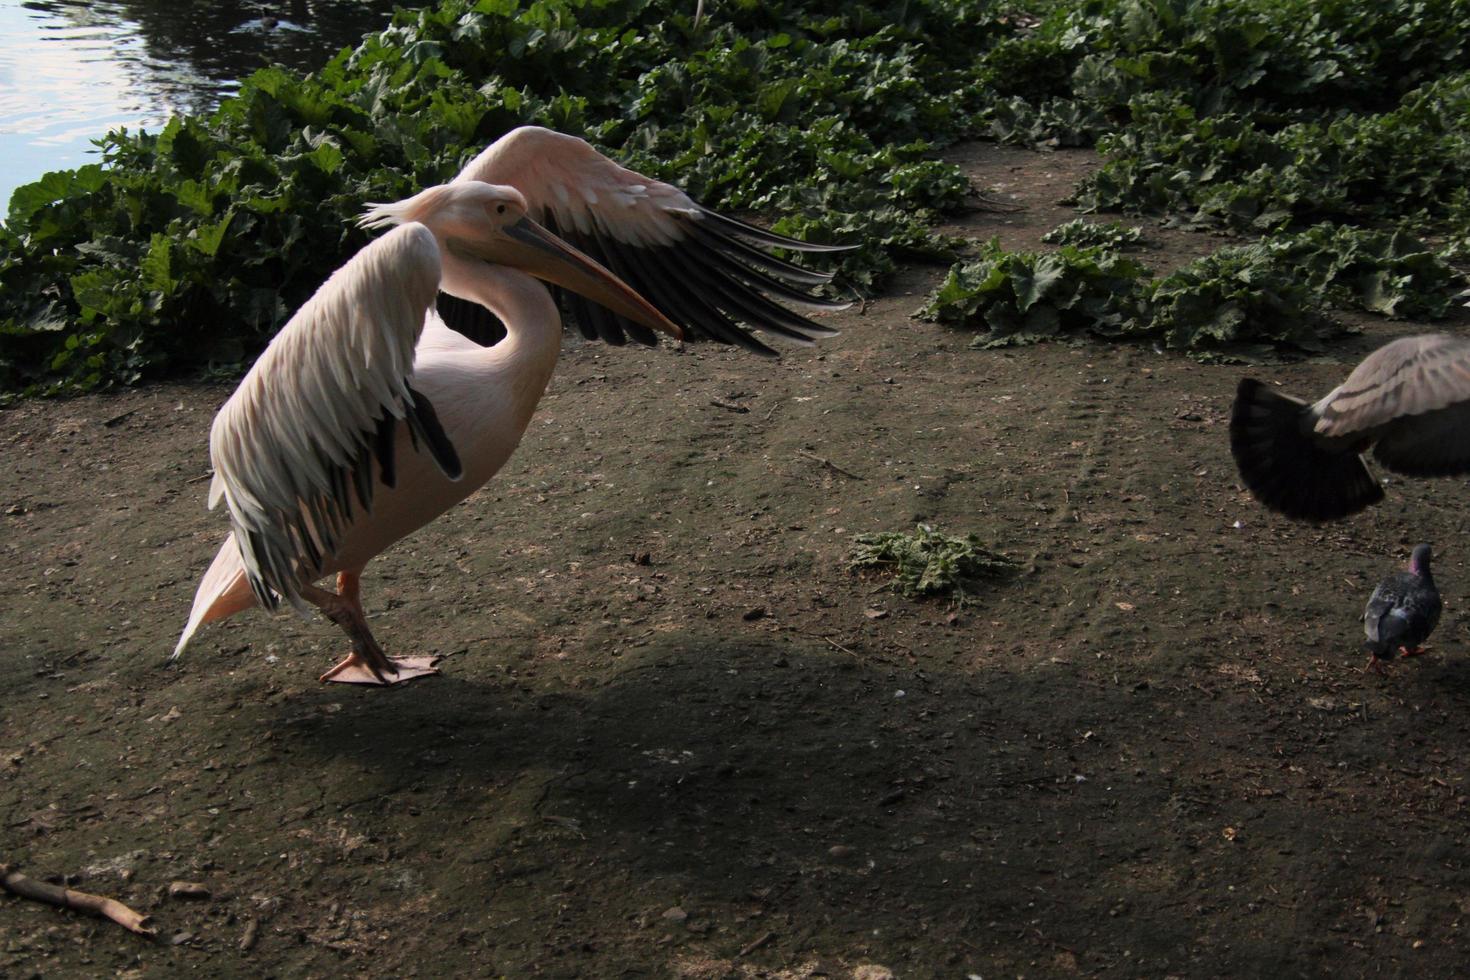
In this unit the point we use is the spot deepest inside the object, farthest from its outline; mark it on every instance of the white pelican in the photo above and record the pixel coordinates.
(1408, 401)
(297, 440)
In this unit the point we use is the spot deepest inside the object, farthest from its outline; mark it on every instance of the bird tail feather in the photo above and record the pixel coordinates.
(1285, 468)
(222, 592)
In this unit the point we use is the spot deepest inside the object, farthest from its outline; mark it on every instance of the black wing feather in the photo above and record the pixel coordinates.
(748, 304)
(470, 319)
(424, 421)
(685, 306)
(383, 450)
(752, 257)
(733, 226)
(714, 282)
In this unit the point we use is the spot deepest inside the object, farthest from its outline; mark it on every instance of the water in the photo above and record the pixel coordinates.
(70, 70)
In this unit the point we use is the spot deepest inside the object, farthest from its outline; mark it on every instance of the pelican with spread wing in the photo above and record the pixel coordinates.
(369, 415)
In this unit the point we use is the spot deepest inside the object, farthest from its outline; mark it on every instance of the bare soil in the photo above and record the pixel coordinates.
(675, 736)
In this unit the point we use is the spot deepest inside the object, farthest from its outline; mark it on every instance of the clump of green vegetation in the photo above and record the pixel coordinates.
(1236, 298)
(1279, 291)
(1272, 294)
(1095, 234)
(1255, 115)
(1231, 169)
(1391, 273)
(1025, 297)
(1059, 122)
(929, 563)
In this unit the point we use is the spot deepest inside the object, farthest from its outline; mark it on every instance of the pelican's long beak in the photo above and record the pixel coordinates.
(531, 248)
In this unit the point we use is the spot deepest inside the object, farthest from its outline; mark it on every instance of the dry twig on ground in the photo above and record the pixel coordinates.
(65, 898)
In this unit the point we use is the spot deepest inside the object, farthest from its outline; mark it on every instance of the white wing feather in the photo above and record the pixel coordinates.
(564, 177)
(309, 408)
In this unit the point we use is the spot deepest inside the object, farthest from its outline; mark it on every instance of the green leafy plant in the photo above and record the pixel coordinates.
(1241, 300)
(1228, 169)
(1095, 234)
(930, 563)
(1023, 297)
(1391, 273)
(1234, 298)
(1256, 115)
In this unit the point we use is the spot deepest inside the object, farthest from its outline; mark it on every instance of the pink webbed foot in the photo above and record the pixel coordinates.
(357, 670)
(366, 664)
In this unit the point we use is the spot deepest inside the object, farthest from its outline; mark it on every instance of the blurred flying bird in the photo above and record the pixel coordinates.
(317, 473)
(1408, 401)
(1402, 612)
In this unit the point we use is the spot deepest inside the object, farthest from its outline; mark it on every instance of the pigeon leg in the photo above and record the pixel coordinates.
(1374, 666)
(367, 663)
(1405, 653)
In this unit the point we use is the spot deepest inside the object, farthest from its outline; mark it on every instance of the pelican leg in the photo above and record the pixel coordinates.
(367, 663)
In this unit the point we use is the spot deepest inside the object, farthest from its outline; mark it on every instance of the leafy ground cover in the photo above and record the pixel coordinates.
(1338, 132)
(1252, 115)
(1082, 232)
(930, 563)
(1238, 300)
(184, 250)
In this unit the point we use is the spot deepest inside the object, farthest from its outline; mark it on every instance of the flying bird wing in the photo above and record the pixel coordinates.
(297, 439)
(1408, 401)
(1412, 397)
(706, 272)
(1410, 376)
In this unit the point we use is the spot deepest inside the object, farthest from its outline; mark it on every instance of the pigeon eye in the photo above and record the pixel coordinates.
(500, 209)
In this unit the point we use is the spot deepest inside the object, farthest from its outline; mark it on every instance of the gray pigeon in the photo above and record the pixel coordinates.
(1402, 612)
(1409, 402)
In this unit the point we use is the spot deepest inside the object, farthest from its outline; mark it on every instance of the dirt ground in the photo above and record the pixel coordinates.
(675, 737)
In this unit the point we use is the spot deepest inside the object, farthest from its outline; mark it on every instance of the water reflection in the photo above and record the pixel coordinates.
(70, 70)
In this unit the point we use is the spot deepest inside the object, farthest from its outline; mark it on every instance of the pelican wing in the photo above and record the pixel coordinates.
(706, 272)
(296, 441)
(1411, 376)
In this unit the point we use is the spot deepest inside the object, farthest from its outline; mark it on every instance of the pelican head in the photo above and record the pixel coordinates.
(488, 222)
